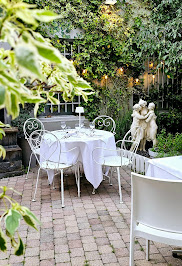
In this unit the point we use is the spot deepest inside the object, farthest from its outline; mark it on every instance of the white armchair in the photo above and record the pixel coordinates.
(52, 157)
(31, 125)
(155, 213)
(116, 158)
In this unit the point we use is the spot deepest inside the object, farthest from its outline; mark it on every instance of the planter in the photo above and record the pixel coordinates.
(26, 152)
(12, 164)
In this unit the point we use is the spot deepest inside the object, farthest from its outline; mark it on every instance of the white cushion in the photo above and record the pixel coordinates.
(53, 165)
(116, 161)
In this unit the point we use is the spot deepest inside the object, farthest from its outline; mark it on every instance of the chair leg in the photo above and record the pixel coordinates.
(36, 185)
(110, 177)
(77, 176)
(29, 165)
(132, 243)
(78, 181)
(62, 189)
(119, 184)
(147, 249)
(93, 191)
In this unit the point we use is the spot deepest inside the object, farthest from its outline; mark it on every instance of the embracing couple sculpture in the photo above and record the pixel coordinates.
(145, 119)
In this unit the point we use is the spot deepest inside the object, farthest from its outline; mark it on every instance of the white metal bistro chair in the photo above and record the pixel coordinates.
(53, 157)
(31, 125)
(104, 122)
(117, 158)
(155, 211)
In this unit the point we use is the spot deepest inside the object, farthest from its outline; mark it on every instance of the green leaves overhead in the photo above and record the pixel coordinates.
(23, 69)
(26, 58)
(45, 15)
(49, 53)
(2, 94)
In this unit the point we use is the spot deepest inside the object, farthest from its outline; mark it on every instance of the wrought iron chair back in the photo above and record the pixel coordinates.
(31, 125)
(105, 122)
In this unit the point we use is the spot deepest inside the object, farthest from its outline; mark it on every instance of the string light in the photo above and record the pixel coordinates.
(84, 71)
(153, 76)
(137, 80)
(110, 2)
(106, 77)
(151, 64)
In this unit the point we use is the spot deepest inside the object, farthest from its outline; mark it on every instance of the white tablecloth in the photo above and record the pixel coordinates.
(86, 143)
(165, 168)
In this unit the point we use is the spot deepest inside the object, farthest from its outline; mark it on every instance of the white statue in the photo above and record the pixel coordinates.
(143, 124)
(151, 124)
(145, 119)
(137, 117)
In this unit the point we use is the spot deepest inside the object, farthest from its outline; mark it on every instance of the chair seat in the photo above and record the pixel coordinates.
(158, 235)
(116, 161)
(53, 165)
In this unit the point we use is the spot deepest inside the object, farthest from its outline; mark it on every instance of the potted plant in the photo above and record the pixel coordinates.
(167, 145)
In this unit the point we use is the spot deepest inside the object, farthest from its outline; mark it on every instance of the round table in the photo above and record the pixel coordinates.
(86, 143)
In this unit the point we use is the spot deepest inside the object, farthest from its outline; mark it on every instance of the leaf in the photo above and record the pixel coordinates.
(29, 221)
(2, 152)
(32, 99)
(12, 221)
(53, 100)
(8, 77)
(26, 57)
(29, 213)
(2, 133)
(83, 84)
(45, 15)
(3, 65)
(14, 106)
(49, 52)
(2, 94)
(26, 16)
(20, 248)
(3, 246)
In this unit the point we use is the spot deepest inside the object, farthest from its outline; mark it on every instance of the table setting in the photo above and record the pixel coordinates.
(86, 139)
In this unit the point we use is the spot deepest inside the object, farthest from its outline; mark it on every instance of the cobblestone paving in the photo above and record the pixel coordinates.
(92, 230)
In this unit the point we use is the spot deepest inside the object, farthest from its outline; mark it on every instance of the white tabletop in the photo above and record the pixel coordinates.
(86, 143)
(165, 168)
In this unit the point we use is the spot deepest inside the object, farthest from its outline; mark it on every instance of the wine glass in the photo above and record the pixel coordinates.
(63, 125)
(77, 128)
(92, 127)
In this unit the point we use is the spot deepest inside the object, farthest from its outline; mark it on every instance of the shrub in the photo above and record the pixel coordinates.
(123, 125)
(169, 144)
(170, 121)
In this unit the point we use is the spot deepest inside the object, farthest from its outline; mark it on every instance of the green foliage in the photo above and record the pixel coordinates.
(170, 121)
(168, 144)
(161, 35)
(33, 69)
(12, 216)
(123, 125)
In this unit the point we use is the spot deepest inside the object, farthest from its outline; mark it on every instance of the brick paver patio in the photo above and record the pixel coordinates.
(92, 230)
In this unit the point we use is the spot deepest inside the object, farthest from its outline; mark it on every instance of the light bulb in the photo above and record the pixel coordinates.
(110, 2)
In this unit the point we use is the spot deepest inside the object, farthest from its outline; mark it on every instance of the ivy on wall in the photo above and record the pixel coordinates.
(105, 48)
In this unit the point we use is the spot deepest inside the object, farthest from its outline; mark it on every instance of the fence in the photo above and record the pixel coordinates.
(140, 163)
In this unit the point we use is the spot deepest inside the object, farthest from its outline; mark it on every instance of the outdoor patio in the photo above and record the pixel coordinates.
(92, 230)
